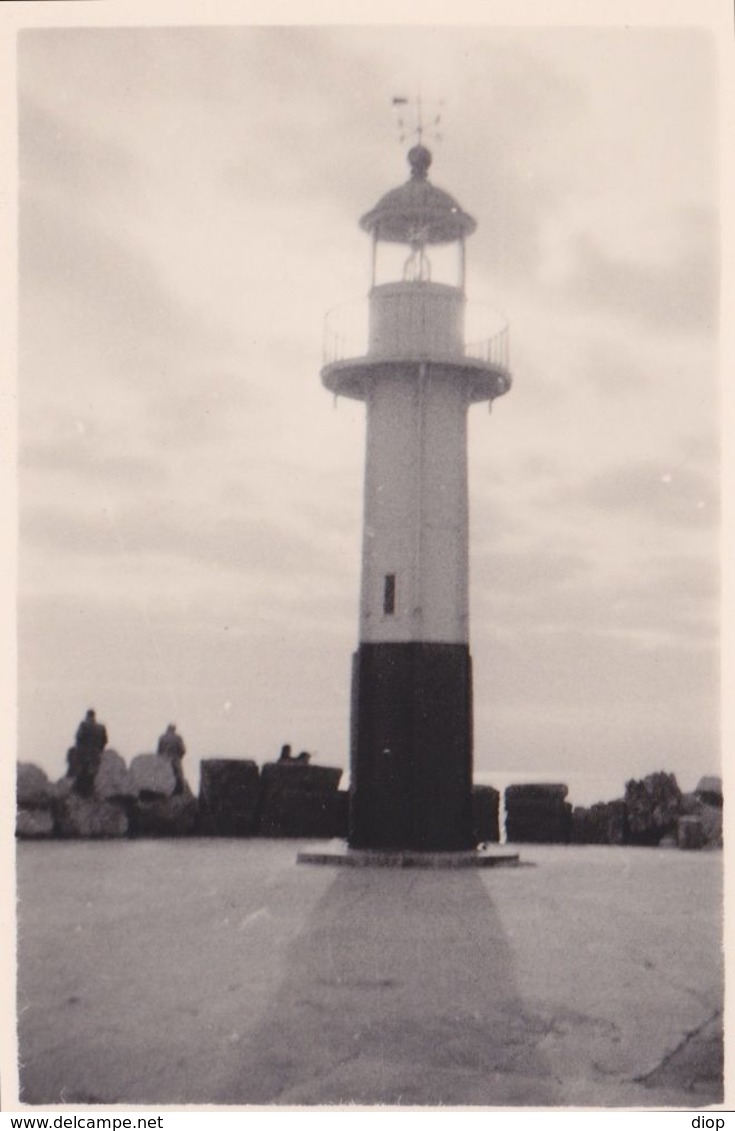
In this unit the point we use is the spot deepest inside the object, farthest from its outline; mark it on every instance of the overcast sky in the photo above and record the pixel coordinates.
(190, 497)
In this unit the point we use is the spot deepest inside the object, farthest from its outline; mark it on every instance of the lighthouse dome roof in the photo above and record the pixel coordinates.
(418, 211)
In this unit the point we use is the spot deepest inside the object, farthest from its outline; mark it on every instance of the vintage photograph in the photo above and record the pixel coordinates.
(369, 745)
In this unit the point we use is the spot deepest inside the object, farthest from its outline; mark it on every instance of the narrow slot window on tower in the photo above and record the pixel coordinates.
(389, 594)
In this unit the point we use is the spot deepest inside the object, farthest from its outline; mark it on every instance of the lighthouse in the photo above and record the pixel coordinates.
(411, 703)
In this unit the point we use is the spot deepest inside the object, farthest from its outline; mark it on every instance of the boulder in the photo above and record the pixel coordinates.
(485, 814)
(538, 814)
(652, 808)
(152, 777)
(177, 815)
(34, 824)
(113, 782)
(60, 789)
(32, 787)
(709, 790)
(88, 817)
(229, 796)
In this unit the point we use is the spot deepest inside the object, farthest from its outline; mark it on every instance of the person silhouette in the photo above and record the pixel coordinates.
(86, 754)
(171, 746)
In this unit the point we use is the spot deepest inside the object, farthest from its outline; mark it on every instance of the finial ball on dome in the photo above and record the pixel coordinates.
(419, 158)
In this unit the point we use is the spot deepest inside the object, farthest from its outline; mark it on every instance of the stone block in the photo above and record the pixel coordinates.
(537, 791)
(585, 828)
(652, 808)
(617, 821)
(710, 817)
(173, 816)
(300, 800)
(32, 787)
(485, 814)
(690, 833)
(294, 813)
(537, 814)
(88, 817)
(229, 797)
(152, 777)
(294, 776)
(341, 814)
(602, 823)
(34, 824)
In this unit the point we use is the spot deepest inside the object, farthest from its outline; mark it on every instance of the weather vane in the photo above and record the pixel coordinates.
(405, 107)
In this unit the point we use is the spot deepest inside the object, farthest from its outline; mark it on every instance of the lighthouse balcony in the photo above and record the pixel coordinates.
(402, 324)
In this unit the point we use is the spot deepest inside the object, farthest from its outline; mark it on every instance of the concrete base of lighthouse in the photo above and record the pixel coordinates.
(341, 856)
(411, 761)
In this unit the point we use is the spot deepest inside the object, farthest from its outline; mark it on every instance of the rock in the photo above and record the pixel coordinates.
(113, 780)
(690, 833)
(280, 776)
(538, 814)
(34, 824)
(229, 796)
(537, 791)
(293, 814)
(485, 814)
(602, 823)
(710, 817)
(341, 814)
(300, 800)
(617, 821)
(177, 815)
(152, 777)
(32, 787)
(709, 790)
(88, 817)
(652, 808)
(60, 789)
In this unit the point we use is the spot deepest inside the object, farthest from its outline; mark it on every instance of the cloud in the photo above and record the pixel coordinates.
(680, 296)
(103, 282)
(60, 158)
(529, 570)
(655, 600)
(79, 459)
(658, 492)
(579, 666)
(254, 547)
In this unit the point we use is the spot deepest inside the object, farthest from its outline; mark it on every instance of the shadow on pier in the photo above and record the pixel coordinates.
(400, 990)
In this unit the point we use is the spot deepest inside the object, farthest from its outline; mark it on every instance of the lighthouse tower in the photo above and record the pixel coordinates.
(411, 731)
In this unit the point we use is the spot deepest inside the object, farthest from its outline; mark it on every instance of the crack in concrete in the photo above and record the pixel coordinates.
(690, 1036)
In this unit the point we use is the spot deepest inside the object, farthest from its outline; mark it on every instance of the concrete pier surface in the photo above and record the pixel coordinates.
(220, 972)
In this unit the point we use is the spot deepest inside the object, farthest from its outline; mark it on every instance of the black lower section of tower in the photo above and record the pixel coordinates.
(411, 759)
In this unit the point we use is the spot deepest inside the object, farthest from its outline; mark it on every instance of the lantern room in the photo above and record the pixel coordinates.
(418, 231)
